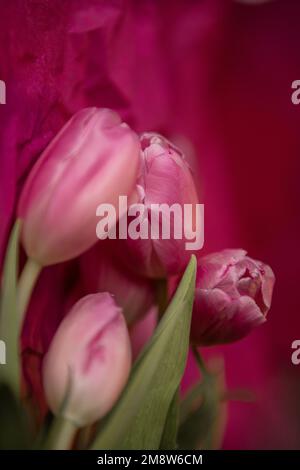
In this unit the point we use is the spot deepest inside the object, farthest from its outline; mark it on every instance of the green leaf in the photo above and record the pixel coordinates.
(192, 400)
(169, 437)
(138, 419)
(199, 414)
(9, 322)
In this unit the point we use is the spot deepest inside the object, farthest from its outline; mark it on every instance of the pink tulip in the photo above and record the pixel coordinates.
(233, 295)
(90, 354)
(101, 272)
(92, 160)
(165, 178)
(142, 331)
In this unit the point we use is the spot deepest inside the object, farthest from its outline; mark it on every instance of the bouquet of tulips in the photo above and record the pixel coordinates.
(111, 377)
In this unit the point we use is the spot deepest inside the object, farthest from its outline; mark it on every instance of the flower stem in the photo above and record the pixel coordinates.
(61, 434)
(26, 285)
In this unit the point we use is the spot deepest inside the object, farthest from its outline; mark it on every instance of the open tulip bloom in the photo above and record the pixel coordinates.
(120, 213)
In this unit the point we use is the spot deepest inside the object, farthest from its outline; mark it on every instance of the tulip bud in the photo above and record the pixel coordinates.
(101, 272)
(233, 295)
(90, 355)
(164, 179)
(142, 331)
(91, 161)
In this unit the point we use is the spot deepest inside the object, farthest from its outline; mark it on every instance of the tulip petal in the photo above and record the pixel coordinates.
(92, 348)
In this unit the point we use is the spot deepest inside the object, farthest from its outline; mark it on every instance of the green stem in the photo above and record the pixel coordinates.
(61, 434)
(10, 374)
(200, 361)
(26, 285)
(84, 438)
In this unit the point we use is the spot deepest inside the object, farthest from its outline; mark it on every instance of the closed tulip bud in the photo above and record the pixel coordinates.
(165, 180)
(90, 356)
(233, 295)
(91, 161)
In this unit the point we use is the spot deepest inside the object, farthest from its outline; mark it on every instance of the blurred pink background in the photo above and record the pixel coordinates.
(213, 75)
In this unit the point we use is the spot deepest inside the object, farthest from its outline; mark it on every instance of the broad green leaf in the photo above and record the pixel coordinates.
(138, 419)
(192, 400)
(9, 322)
(169, 437)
